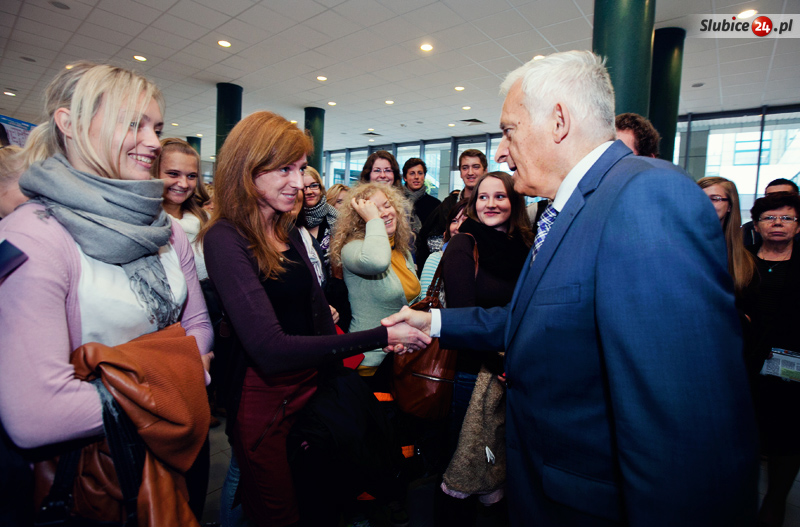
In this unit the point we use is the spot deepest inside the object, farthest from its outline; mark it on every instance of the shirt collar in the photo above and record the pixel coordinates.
(575, 175)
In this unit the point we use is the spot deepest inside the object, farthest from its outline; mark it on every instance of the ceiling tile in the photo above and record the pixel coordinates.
(11, 7)
(484, 51)
(179, 26)
(502, 24)
(104, 34)
(548, 12)
(198, 14)
(228, 7)
(36, 40)
(165, 38)
(364, 13)
(115, 22)
(298, 10)
(406, 5)
(332, 24)
(37, 28)
(49, 17)
(568, 31)
(268, 20)
(527, 43)
(132, 10)
(433, 18)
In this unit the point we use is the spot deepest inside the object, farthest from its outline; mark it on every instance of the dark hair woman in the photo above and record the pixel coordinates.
(775, 314)
(498, 226)
(414, 172)
(381, 167)
(281, 319)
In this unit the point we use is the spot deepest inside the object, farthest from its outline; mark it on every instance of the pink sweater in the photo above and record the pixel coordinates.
(40, 324)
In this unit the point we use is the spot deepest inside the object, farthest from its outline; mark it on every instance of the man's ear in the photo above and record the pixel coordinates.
(561, 122)
(63, 121)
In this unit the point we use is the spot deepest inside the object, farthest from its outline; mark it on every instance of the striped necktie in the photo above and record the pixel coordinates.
(542, 228)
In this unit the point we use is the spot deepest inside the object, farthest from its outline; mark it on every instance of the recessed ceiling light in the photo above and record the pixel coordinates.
(199, 135)
(389, 102)
(140, 58)
(459, 88)
(538, 57)
(426, 47)
(698, 84)
(451, 124)
(466, 107)
(174, 124)
(224, 43)
(331, 103)
(293, 122)
(28, 59)
(748, 13)
(211, 157)
(10, 93)
(60, 5)
(69, 66)
(371, 140)
(322, 78)
(370, 129)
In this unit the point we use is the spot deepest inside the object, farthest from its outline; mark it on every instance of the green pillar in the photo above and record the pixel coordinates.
(623, 33)
(194, 142)
(665, 88)
(315, 124)
(229, 110)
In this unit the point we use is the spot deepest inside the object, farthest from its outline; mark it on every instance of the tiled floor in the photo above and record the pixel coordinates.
(420, 498)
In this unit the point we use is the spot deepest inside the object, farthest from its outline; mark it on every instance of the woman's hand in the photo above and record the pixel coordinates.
(365, 208)
(334, 314)
(206, 359)
(404, 338)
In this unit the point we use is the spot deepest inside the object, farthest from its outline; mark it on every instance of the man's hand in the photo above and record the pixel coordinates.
(206, 360)
(419, 319)
(403, 337)
(334, 314)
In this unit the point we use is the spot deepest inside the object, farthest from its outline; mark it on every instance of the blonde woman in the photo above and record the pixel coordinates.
(10, 171)
(372, 244)
(105, 263)
(336, 195)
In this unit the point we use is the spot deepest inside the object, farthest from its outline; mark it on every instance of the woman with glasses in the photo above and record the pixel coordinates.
(381, 167)
(725, 198)
(777, 310)
(318, 216)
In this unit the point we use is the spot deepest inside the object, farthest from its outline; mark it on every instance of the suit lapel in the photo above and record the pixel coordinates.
(532, 274)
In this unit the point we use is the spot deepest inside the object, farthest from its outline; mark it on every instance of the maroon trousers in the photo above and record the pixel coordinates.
(267, 411)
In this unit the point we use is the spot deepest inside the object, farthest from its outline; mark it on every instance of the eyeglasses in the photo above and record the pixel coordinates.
(717, 199)
(313, 186)
(772, 219)
(385, 171)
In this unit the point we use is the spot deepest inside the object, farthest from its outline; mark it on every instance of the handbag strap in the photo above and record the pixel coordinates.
(127, 452)
(437, 282)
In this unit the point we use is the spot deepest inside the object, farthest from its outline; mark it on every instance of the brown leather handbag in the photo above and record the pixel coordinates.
(422, 384)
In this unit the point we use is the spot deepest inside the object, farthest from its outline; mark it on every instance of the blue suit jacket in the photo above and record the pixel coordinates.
(628, 402)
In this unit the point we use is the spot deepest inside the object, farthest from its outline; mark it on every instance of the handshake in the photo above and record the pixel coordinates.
(409, 330)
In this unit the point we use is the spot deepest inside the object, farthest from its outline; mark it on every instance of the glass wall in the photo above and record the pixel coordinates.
(357, 160)
(737, 149)
(437, 158)
(406, 152)
(336, 169)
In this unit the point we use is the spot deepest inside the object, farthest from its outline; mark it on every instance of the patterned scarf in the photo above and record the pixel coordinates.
(320, 211)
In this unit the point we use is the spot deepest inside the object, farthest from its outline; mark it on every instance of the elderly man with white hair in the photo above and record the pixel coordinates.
(628, 402)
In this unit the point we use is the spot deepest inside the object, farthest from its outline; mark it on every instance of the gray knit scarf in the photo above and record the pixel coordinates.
(414, 195)
(320, 211)
(115, 221)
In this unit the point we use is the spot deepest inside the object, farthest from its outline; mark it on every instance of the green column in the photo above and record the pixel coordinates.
(315, 124)
(665, 88)
(229, 110)
(623, 33)
(195, 142)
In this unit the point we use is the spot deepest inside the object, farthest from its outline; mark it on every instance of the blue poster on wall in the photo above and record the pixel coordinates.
(14, 131)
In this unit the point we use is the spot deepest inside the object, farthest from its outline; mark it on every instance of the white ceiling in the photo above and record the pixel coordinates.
(369, 50)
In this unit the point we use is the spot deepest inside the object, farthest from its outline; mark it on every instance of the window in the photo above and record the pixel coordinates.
(357, 160)
(437, 158)
(336, 171)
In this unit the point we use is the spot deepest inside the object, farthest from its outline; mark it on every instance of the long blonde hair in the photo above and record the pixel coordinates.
(351, 226)
(123, 94)
(261, 142)
(741, 265)
(191, 205)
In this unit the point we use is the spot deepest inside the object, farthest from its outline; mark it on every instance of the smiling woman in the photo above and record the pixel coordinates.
(104, 265)
(282, 322)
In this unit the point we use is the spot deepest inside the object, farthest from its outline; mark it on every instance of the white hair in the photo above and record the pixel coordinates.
(577, 78)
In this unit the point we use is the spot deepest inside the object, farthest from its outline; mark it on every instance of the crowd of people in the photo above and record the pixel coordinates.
(637, 348)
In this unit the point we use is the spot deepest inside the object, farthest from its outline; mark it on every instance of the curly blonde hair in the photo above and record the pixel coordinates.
(351, 226)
